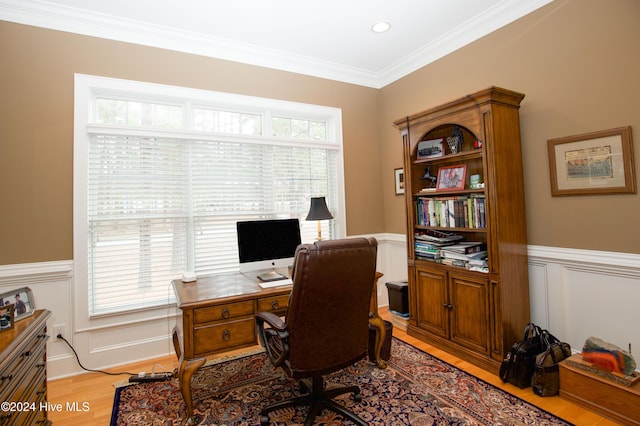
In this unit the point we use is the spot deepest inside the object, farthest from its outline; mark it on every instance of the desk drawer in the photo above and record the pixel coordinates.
(273, 303)
(222, 312)
(223, 336)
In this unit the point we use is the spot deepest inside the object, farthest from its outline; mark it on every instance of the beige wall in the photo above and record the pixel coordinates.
(36, 127)
(578, 63)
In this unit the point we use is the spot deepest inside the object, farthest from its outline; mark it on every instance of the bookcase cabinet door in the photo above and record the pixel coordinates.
(433, 312)
(470, 309)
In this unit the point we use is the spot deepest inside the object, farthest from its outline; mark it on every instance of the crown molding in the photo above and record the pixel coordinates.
(467, 32)
(62, 18)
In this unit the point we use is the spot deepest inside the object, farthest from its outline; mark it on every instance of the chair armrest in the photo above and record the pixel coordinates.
(272, 319)
(274, 338)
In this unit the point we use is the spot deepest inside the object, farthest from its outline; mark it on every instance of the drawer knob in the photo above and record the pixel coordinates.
(225, 313)
(9, 377)
(226, 335)
(275, 305)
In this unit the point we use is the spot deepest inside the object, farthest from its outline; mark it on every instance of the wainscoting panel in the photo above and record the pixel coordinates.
(574, 294)
(588, 293)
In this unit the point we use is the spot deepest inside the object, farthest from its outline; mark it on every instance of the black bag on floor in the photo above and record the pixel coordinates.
(546, 378)
(519, 363)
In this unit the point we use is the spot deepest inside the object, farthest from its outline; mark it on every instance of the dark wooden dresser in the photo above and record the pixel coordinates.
(23, 371)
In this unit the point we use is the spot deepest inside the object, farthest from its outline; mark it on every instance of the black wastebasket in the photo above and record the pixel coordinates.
(398, 297)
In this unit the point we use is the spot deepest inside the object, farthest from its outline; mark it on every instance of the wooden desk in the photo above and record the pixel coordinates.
(218, 315)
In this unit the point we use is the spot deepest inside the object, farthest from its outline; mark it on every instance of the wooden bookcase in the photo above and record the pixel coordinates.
(474, 314)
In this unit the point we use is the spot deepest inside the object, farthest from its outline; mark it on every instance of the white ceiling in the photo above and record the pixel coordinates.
(323, 38)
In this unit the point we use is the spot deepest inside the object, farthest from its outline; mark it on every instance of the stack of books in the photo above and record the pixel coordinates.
(429, 243)
(451, 249)
(468, 254)
(427, 250)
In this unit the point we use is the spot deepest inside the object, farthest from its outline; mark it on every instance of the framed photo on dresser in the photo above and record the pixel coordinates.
(21, 300)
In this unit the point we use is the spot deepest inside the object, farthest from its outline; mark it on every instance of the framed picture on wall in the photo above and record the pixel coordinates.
(399, 180)
(592, 163)
(22, 301)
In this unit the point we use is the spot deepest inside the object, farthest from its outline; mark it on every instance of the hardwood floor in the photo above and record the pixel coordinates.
(96, 390)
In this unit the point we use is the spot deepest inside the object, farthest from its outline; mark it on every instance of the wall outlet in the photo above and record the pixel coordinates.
(60, 330)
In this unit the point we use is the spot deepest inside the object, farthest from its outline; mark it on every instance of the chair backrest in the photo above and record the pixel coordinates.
(328, 309)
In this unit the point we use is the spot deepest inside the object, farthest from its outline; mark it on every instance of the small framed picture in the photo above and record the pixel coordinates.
(21, 300)
(6, 317)
(399, 179)
(430, 149)
(451, 178)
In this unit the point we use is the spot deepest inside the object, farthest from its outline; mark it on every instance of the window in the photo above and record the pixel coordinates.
(164, 173)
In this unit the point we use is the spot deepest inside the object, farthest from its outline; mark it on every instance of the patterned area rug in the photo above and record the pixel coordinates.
(416, 389)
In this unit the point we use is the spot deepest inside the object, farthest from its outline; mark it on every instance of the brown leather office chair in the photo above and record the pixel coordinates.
(326, 325)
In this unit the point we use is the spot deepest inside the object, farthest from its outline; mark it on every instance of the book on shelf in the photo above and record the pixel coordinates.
(436, 236)
(478, 262)
(428, 254)
(461, 256)
(467, 247)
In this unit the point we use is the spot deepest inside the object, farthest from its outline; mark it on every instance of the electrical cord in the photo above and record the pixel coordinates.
(59, 336)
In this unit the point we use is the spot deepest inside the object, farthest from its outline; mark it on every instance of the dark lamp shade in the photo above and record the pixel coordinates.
(318, 209)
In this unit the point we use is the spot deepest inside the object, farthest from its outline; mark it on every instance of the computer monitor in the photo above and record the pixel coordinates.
(264, 245)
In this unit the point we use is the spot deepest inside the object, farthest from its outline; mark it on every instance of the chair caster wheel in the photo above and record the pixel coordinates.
(357, 397)
(264, 420)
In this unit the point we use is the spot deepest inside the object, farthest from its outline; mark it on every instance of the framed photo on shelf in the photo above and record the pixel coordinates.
(399, 179)
(430, 149)
(451, 178)
(596, 163)
(22, 301)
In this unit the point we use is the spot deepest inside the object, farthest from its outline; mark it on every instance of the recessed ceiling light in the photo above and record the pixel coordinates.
(381, 27)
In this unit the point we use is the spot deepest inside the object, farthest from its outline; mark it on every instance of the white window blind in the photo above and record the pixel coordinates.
(160, 203)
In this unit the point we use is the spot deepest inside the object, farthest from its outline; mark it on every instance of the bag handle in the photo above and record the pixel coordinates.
(549, 339)
(531, 330)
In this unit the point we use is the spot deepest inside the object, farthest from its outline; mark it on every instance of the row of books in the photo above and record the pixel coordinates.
(463, 211)
(467, 254)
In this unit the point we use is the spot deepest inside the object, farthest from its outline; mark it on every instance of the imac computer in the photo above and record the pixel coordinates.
(264, 245)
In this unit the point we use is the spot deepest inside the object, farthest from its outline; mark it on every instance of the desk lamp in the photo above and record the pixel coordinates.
(319, 211)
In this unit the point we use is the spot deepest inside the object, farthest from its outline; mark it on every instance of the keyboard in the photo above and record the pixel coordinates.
(276, 283)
